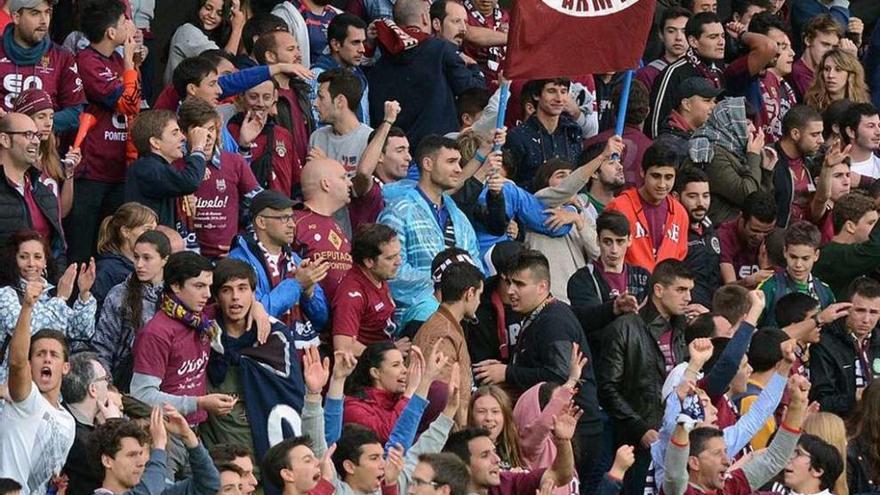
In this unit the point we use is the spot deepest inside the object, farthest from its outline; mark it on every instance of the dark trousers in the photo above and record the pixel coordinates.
(588, 452)
(92, 202)
(634, 481)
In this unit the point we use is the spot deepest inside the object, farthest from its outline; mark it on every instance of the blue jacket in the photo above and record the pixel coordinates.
(421, 239)
(425, 81)
(325, 63)
(530, 145)
(522, 206)
(286, 295)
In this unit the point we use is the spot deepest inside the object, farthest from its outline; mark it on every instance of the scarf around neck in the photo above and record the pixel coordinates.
(176, 310)
(711, 72)
(21, 55)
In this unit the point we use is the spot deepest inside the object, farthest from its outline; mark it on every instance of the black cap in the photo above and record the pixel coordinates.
(697, 86)
(269, 199)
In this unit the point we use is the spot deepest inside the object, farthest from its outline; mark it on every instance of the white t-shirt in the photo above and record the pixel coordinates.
(869, 167)
(34, 441)
(346, 149)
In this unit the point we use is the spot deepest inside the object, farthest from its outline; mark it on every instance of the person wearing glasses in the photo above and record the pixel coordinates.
(91, 400)
(152, 180)
(25, 201)
(287, 286)
(441, 474)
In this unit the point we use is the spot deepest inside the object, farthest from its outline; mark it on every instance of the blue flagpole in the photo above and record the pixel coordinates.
(621, 107)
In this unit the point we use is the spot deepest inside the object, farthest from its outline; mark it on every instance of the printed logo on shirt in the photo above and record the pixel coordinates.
(355, 294)
(192, 365)
(716, 245)
(334, 239)
(748, 270)
(16, 83)
(674, 233)
(221, 185)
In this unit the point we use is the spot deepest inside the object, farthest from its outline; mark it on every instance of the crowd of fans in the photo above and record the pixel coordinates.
(313, 261)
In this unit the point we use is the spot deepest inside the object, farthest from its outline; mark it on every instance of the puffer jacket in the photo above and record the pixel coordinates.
(77, 323)
(631, 371)
(114, 334)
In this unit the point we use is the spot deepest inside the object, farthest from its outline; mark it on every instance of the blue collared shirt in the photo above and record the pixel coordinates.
(441, 214)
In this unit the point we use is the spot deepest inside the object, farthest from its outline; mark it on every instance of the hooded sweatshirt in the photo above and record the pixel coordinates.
(535, 430)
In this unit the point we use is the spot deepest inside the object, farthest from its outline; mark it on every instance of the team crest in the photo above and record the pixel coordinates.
(716, 245)
(221, 185)
(280, 149)
(334, 239)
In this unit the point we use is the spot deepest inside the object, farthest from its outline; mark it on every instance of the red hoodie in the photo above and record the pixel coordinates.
(378, 410)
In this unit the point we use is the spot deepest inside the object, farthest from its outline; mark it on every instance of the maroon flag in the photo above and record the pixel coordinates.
(559, 38)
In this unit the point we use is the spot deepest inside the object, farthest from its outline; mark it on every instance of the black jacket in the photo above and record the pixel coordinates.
(832, 368)
(632, 371)
(492, 215)
(858, 471)
(154, 182)
(783, 186)
(543, 353)
(593, 303)
(704, 260)
(14, 214)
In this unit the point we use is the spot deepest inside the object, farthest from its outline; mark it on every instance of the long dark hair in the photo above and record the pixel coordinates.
(864, 428)
(220, 34)
(9, 274)
(372, 357)
(133, 297)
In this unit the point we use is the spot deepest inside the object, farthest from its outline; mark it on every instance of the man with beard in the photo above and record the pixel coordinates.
(604, 184)
(427, 221)
(703, 58)
(37, 431)
(345, 37)
(363, 311)
(704, 248)
(26, 201)
(449, 21)
(860, 127)
(28, 58)
(793, 185)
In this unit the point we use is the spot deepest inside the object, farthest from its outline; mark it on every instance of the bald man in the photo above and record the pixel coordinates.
(25, 202)
(325, 187)
(177, 244)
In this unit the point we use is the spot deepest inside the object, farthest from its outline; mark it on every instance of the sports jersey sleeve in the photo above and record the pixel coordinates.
(104, 87)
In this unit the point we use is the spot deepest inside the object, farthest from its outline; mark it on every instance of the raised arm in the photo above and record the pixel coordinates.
(20, 380)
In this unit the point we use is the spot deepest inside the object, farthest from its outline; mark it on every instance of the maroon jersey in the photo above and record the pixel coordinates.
(743, 259)
(103, 149)
(361, 310)
(56, 73)
(218, 200)
(286, 166)
(366, 208)
(319, 236)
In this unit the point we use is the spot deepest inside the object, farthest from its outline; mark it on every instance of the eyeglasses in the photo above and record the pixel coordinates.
(417, 482)
(29, 135)
(106, 378)
(283, 218)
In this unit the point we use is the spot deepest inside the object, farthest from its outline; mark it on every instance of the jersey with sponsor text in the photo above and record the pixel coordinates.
(56, 73)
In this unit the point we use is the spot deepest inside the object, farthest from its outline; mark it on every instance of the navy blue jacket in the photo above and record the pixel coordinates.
(154, 182)
(424, 80)
(530, 145)
(111, 269)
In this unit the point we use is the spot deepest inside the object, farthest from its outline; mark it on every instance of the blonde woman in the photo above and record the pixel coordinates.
(840, 76)
(491, 408)
(832, 429)
(116, 240)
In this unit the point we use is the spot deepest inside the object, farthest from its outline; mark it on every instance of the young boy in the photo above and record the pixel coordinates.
(608, 287)
(152, 180)
(111, 85)
(658, 223)
(226, 190)
(801, 251)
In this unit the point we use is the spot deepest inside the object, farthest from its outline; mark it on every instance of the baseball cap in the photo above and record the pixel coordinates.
(697, 86)
(16, 5)
(269, 199)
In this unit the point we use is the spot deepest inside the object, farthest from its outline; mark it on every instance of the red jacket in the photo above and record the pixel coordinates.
(641, 251)
(378, 410)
